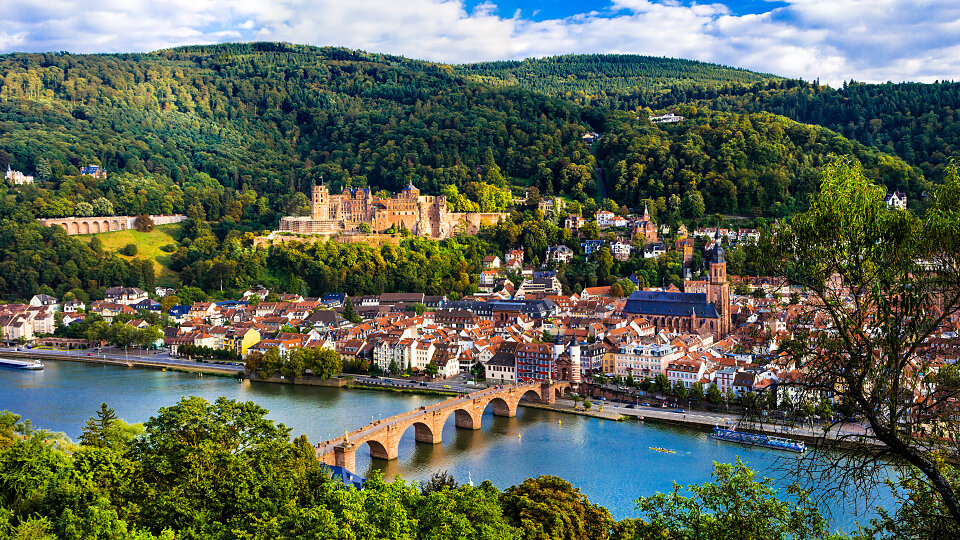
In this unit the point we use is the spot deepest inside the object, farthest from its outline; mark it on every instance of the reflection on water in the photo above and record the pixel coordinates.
(611, 462)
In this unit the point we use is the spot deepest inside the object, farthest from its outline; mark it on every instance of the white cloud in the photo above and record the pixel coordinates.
(834, 40)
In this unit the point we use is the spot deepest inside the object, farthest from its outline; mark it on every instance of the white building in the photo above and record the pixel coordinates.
(668, 118)
(896, 200)
(17, 178)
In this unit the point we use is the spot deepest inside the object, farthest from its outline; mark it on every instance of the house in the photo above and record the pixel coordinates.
(539, 286)
(645, 227)
(603, 218)
(559, 254)
(687, 371)
(668, 118)
(239, 339)
(574, 223)
(513, 257)
(591, 293)
(17, 178)
(109, 310)
(164, 291)
(334, 300)
(491, 261)
(488, 279)
(74, 306)
(897, 200)
(621, 249)
(94, 171)
(45, 300)
(654, 250)
(501, 369)
(147, 304)
(590, 137)
(124, 295)
(591, 246)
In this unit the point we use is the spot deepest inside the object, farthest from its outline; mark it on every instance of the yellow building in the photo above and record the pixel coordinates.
(239, 340)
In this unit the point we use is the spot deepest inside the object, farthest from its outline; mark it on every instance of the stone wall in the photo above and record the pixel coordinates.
(95, 225)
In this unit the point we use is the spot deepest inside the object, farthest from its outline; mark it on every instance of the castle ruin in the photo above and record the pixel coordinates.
(423, 215)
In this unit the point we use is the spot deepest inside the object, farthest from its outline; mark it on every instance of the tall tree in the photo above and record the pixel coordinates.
(887, 283)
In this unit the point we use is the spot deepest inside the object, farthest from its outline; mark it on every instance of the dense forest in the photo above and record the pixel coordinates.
(588, 79)
(234, 135)
(745, 164)
(915, 121)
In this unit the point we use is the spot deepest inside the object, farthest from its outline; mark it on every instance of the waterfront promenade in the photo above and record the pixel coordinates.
(159, 360)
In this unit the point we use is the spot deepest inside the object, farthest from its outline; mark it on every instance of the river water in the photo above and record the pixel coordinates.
(609, 461)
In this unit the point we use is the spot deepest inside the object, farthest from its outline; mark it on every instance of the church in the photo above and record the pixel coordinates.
(689, 312)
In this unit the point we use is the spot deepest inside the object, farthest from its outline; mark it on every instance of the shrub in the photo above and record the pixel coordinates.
(129, 250)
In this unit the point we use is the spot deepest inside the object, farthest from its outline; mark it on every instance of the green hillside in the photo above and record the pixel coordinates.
(234, 135)
(593, 79)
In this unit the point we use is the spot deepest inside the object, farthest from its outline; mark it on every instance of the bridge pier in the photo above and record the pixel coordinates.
(502, 407)
(345, 455)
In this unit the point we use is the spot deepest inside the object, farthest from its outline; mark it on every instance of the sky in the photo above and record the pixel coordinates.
(829, 40)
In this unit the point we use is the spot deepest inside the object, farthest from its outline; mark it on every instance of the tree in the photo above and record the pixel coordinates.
(713, 394)
(143, 223)
(349, 314)
(83, 209)
(393, 368)
(696, 391)
(438, 481)
(546, 337)
(130, 250)
(661, 383)
(96, 432)
(680, 390)
(102, 206)
(733, 506)
(431, 369)
(904, 273)
(549, 507)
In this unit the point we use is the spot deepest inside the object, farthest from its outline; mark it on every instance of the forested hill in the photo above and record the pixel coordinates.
(749, 164)
(274, 117)
(915, 121)
(261, 122)
(599, 79)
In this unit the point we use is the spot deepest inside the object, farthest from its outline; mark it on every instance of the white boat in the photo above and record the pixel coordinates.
(20, 364)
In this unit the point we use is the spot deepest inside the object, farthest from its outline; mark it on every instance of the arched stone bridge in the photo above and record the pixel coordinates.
(383, 436)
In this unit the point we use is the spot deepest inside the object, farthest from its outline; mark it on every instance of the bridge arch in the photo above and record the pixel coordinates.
(379, 451)
(106, 226)
(84, 228)
(96, 227)
(74, 227)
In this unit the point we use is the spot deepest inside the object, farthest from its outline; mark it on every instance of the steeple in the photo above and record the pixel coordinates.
(717, 255)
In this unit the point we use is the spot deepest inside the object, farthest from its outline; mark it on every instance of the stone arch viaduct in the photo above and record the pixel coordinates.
(91, 225)
(383, 436)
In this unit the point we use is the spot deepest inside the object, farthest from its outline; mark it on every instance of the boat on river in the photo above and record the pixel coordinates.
(12, 363)
(664, 450)
(758, 439)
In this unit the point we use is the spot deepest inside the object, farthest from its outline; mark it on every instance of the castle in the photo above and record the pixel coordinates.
(423, 215)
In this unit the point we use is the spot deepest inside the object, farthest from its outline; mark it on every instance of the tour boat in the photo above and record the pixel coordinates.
(20, 364)
(664, 450)
(756, 439)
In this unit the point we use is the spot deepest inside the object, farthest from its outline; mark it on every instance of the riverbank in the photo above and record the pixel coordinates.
(133, 361)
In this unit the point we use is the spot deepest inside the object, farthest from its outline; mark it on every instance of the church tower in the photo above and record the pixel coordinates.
(718, 292)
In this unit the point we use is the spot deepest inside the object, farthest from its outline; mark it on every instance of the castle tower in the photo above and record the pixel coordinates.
(320, 203)
(718, 292)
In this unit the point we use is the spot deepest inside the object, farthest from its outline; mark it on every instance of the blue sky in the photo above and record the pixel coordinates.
(830, 40)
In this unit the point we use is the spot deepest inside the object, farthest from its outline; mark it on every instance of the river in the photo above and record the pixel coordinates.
(609, 461)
